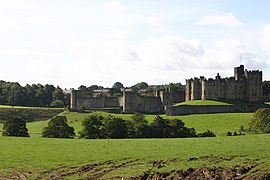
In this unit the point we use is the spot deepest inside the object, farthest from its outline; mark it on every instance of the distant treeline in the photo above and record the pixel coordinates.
(13, 94)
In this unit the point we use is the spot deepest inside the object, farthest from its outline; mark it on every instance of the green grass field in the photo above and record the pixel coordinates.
(216, 103)
(204, 102)
(37, 158)
(43, 158)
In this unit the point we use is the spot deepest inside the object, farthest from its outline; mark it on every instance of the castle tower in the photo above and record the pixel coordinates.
(239, 73)
(166, 97)
(73, 99)
(127, 101)
(196, 89)
(254, 85)
(188, 90)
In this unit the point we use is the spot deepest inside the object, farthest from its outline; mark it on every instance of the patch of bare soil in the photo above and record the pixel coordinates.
(91, 171)
(238, 172)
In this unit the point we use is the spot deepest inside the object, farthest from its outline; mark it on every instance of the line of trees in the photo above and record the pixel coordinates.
(100, 127)
(12, 93)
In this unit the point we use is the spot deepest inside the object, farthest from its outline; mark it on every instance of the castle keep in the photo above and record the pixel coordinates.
(244, 85)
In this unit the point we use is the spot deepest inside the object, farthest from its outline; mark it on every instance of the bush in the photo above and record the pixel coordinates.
(115, 127)
(93, 128)
(138, 127)
(15, 126)
(175, 128)
(57, 104)
(260, 122)
(58, 128)
(208, 133)
(97, 127)
(229, 133)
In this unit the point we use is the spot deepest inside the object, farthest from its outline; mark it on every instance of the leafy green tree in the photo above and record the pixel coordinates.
(93, 128)
(58, 128)
(138, 126)
(15, 126)
(160, 127)
(139, 86)
(208, 133)
(260, 122)
(57, 104)
(178, 129)
(48, 90)
(176, 87)
(41, 96)
(58, 94)
(115, 127)
(118, 85)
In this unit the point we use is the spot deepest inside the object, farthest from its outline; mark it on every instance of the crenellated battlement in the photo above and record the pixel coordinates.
(244, 85)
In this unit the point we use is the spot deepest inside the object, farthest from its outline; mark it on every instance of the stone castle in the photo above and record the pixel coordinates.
(244, 85)
(129, 102)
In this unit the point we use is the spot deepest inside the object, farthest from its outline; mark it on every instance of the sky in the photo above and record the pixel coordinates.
(85, 42)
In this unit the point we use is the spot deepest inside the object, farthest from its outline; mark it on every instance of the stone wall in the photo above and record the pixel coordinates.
(208, 109)
(133, 102)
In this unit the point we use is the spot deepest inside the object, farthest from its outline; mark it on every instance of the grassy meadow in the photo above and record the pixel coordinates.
(40, 157)
(44, 158)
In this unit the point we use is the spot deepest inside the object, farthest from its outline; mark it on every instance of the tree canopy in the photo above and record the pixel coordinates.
(58, 128)
(15, 126)
(14, 94)
(97, 127)
(260, 121)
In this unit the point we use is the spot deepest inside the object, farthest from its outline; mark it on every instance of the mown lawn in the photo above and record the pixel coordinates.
(204, 102)
(35, 156)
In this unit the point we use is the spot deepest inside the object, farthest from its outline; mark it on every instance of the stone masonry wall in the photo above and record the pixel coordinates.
(208, 109)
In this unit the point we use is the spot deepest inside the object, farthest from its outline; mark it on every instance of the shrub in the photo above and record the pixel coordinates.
(229, 133)
(175, 128)
(93, 128)
(138, 127)
(115, 127)
(241, 129)
(260, 122)
(57, 104)
(58, 128)
(208, 133)
(15, 126)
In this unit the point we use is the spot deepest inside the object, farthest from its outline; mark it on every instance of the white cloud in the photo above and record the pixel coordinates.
(8, 24)
(29, 52)
(39, 20)
(226, 19)
(120, 33)
(265, 40)
(17, 4)
(169, 52)
(114, 6)
(154, 60)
